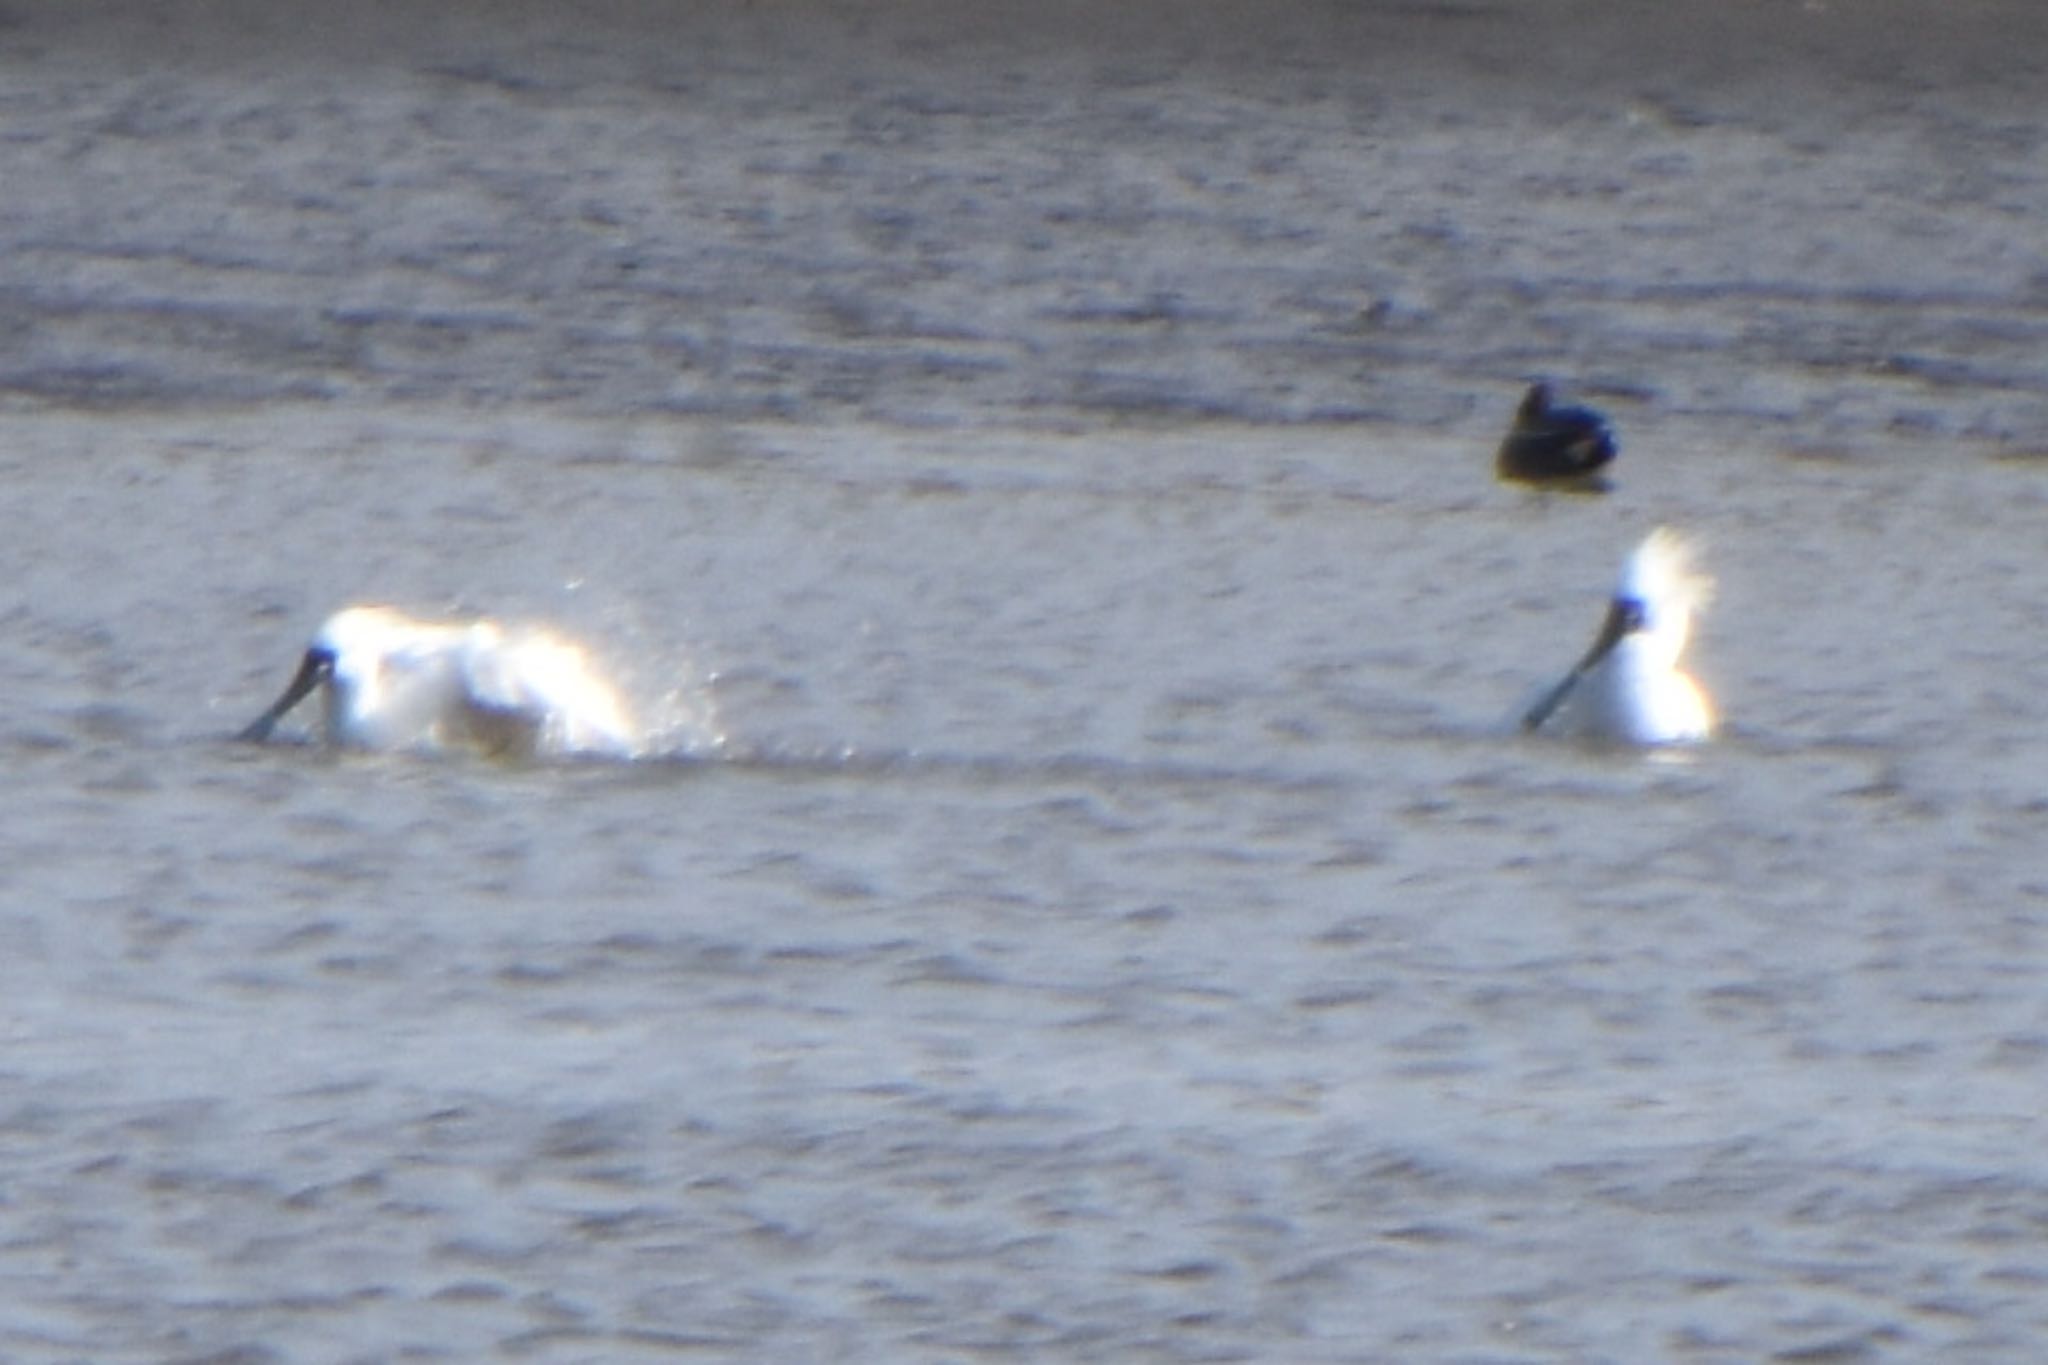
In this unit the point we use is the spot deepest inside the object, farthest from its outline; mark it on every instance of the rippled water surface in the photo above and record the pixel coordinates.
(1082, 900)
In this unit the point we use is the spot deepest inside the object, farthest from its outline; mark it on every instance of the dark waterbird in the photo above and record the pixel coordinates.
(1554, 446)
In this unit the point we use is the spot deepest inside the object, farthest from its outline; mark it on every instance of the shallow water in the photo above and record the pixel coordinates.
(1114, 923)
(1084, 899)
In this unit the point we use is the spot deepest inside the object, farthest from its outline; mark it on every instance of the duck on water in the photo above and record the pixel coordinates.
(1555, 446)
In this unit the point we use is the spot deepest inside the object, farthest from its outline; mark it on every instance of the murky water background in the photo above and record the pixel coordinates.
(1082, 904)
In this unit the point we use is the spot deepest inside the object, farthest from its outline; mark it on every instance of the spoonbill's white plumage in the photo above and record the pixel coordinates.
(1629, 688)
(388, 681)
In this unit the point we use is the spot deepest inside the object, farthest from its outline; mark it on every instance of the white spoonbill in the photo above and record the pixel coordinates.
(388, 681)
(1629, 688)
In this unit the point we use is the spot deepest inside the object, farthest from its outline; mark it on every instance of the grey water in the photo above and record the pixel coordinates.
(1083, 897)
